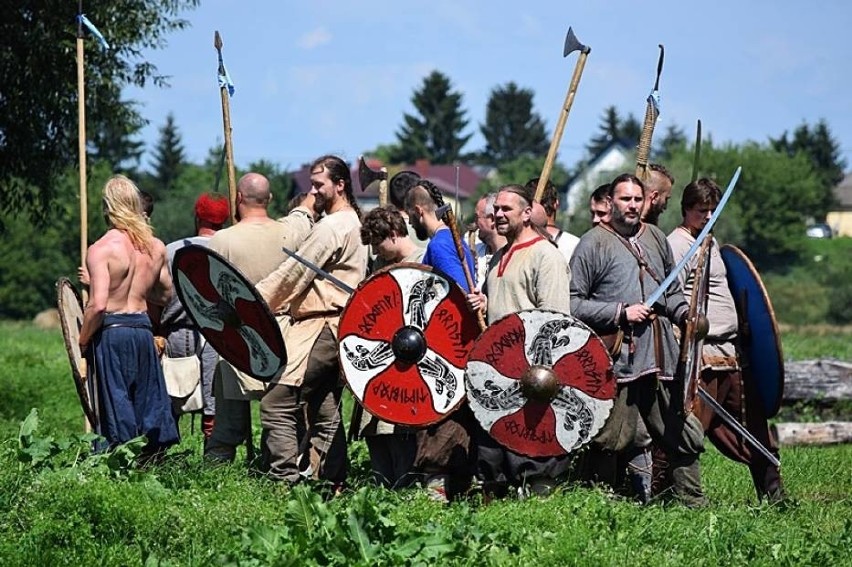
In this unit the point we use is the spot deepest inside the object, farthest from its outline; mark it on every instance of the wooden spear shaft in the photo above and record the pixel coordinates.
(560, 125)
(81, 145)
(226, 123)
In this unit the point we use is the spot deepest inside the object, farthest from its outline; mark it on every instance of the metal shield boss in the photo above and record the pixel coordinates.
(70, 308)
(229, 312)
(540, 383)
(760, 340)
(403, 342)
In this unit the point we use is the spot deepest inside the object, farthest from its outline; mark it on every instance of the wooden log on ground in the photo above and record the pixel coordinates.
(826, 433)
(823, 380)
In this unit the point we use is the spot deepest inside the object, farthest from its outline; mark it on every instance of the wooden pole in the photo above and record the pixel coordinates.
(226, 123)
(383, 188)
(81, 145)
(560, 125)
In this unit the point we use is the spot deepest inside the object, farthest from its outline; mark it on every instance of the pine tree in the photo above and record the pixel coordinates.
(435, 132)
(169, 157)
(609, 131)
(823, 152)
(511, 128)
(673, 139)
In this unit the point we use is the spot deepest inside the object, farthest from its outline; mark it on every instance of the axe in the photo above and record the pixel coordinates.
(571, 44)
(367, 176)
(652, 112)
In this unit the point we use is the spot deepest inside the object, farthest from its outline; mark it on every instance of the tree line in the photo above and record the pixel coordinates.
(787, 180)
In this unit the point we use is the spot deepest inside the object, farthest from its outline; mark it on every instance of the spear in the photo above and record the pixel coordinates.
(697, 157)
(81, 139)
(652, 112)
(226, 89)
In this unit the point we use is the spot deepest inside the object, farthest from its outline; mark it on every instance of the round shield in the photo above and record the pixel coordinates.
(760, 340)
(70, 308)
(404, 338)
(540, 383)
(229, 312)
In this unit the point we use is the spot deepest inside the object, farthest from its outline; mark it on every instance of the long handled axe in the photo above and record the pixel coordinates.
(367, 176)
(226, 123)
(571, 44)
(652, 112)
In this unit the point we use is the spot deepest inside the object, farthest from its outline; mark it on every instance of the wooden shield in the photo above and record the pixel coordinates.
(229, 312)
(498, 370)
(71, 317)
(760, 340)
(404, 338)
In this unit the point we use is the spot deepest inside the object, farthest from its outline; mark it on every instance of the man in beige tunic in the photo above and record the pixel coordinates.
(312, 376)
(529, 272)
(253, 246)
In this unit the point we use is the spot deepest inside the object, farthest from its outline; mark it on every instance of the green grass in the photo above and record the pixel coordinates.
(185, 513)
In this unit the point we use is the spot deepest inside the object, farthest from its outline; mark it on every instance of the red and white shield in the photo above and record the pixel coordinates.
(540, 383)
(229, 312)
(404, 338)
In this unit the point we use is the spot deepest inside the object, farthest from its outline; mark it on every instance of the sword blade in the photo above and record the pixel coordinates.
(737, 426)
(655, 296)
(322, 274)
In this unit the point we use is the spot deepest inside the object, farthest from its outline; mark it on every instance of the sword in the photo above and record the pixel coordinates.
(655, 296)
(737, 426)
(357, 409)
(322, 274)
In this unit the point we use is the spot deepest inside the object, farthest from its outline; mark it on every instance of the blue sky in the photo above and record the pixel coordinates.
(335, 76)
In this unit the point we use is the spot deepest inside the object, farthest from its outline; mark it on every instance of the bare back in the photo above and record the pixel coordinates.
(134, 276)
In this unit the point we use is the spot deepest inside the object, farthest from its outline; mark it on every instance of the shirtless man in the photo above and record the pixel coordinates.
(127, 270)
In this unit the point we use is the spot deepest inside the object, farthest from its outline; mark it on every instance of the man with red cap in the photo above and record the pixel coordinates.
(183, 339)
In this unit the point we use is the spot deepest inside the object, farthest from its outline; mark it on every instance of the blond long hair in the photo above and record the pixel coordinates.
(123, 210)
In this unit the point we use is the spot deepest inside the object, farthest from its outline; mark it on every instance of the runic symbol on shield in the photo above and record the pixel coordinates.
(404, 338)
(540, 382)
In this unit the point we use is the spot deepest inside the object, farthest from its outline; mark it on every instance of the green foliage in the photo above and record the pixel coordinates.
(512, 129)
(614, 128)
(67, 511)
(116, 144)
(435, 133)
(38, 116)
(169, 159)
(823, 152)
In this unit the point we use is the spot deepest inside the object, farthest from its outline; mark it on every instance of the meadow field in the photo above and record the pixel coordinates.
(59, 505)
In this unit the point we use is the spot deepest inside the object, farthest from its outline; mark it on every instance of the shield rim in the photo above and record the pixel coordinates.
(278, 345)
(771, 408)
(81, 383)
(423, 268)
(592, 335)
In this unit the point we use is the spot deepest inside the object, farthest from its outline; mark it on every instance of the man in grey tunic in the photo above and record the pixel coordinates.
(614, 269)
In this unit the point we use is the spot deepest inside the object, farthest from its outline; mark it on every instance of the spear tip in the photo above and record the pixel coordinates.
(217, 40)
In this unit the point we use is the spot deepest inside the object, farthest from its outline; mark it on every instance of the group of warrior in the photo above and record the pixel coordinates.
(521, 262)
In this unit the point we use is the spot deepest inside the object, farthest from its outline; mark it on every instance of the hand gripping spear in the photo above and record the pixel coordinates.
(571, 44)
(652, 112)
(226, 122)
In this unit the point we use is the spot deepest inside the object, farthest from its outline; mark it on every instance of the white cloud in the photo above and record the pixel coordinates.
(314, 38)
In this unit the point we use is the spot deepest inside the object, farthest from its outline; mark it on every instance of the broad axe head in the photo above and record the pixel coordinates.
(573, 44)
(366, 175)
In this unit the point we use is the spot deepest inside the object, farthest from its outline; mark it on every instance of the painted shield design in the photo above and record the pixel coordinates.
(760, 340)
(230, 313)
(540, 382)
(70, 308)
(404, 339)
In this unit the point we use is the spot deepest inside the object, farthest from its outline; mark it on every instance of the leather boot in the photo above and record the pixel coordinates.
(686, 480)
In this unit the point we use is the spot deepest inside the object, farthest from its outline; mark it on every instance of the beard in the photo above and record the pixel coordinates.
(622, 223)
(420, 231)
(320, 203)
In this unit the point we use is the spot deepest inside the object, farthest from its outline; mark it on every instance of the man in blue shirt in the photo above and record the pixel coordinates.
(421, 204)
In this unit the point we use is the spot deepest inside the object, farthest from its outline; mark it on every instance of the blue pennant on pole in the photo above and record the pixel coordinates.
(95, 31)
(225, 79)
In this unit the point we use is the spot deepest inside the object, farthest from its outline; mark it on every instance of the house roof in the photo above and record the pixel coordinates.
(443, 176)
(843, 193)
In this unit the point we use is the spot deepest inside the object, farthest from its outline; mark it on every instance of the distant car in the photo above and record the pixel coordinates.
(820, 230)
